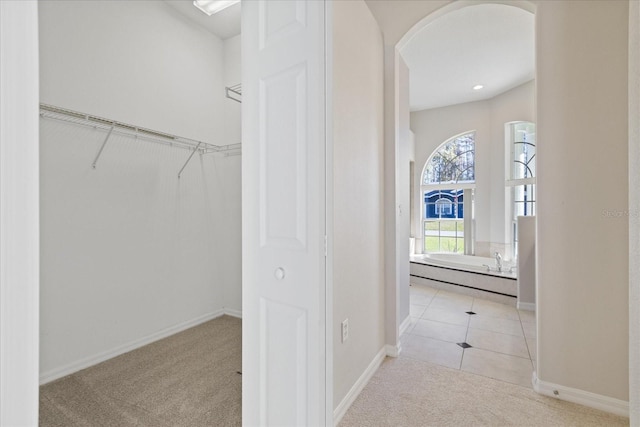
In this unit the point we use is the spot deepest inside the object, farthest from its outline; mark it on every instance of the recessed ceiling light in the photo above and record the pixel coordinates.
(213, 6)
(478, 87)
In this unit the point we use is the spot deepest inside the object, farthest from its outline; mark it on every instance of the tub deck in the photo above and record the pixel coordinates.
(499, 287)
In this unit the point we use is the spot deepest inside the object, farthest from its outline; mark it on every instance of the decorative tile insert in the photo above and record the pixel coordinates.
(464, 345)
(470, 313)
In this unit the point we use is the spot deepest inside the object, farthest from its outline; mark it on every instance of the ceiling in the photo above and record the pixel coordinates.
(488, 44)
(224, 24)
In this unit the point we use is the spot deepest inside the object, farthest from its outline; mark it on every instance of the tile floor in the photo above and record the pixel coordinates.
(502, 338)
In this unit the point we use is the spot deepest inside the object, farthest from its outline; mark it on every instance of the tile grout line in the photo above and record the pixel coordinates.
(466, 335)
(525, 339)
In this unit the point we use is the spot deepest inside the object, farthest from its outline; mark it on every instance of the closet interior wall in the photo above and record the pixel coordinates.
(129, 252)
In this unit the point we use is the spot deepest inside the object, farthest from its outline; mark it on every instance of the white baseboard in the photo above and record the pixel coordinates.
(586, 398)
(405, 325)
(529, 306)
(54, 374)
(233, 312)
(393, 350)
(351, 396)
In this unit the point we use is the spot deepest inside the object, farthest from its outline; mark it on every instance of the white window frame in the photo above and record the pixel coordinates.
(469, 232)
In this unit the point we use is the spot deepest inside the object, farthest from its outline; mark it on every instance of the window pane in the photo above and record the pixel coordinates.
(453, 162)
(523, 151)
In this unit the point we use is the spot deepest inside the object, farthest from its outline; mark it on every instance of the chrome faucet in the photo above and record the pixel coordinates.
(498, 261)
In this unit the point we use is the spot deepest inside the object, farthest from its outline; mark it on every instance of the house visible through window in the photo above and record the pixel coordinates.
(443, 207)
(449, 175)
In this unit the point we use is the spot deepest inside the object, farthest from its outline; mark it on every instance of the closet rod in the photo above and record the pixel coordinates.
(119, 128)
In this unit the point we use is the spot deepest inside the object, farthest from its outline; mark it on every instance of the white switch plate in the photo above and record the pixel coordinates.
(345, 329)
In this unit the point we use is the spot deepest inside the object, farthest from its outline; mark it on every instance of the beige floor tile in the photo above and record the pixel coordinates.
(494, 309)
(420, 289)
(433, 351)
(420, 298)
(447, 303)
(529, 329)
(454, 296)
(440, 331)
(516, 370)
(495, 324)
(500, 343)
(532, 343)
(527, 316)
(416, 310)
(455, 317)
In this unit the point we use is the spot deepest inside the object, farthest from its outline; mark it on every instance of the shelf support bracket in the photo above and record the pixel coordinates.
(95, 161)
(189, 159)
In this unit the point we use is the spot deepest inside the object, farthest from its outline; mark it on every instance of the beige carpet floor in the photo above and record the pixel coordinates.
(188, 379)
(407, 392)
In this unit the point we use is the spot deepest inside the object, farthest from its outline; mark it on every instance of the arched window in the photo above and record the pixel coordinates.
(453, 162)
(448, 180)
(522, 176)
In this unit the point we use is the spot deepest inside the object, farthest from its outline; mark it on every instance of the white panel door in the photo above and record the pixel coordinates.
(283, 172)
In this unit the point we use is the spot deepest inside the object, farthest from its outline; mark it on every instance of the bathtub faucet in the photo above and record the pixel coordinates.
(498, 261)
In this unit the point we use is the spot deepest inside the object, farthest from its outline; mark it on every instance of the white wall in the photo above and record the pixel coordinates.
(487, 118)
(358, 292)
(581, 94)
(232, 76)
(129, 250)
(403, 224)
(583, 264)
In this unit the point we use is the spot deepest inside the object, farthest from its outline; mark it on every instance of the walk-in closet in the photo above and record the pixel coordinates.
(140, 163)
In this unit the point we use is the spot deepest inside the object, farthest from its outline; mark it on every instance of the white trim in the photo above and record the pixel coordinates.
(359, 385)
(405, 325)
(634, 206)
(233, 312)
(393, 350)
(70, 368)
(528, 306)
(520, 181)
(19, 213)
(592, 400)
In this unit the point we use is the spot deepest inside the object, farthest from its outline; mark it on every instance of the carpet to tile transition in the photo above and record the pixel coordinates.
(407, 392)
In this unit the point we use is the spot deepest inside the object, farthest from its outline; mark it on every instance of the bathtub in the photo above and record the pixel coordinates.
(466, 274)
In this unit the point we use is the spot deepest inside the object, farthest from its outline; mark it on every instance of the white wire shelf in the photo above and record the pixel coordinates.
(113, 127)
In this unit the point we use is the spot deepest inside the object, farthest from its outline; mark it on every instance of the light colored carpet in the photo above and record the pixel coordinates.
(407, 392)
(188, 379)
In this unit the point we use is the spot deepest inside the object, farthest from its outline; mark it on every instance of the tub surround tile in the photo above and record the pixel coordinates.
(482, 280)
